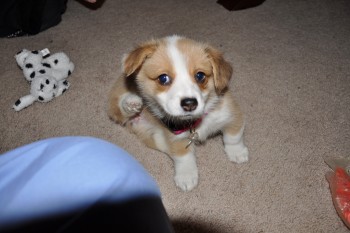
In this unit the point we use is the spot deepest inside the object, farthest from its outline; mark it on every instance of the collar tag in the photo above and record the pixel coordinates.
(193, 137)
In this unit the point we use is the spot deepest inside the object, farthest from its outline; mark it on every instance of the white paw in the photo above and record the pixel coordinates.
(186, 171)
(186, 180)
(237, 153)
(132, 104)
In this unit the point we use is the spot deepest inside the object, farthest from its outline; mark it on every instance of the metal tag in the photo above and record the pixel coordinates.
(193, 137)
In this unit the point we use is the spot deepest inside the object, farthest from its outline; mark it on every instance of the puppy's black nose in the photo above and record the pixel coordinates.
(189, 104)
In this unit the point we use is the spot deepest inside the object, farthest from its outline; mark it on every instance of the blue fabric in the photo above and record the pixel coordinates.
(58, 175)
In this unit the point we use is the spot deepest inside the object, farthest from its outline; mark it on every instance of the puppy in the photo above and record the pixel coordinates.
(174, 93)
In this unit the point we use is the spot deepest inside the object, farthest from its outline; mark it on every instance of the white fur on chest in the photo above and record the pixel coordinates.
(214, 122)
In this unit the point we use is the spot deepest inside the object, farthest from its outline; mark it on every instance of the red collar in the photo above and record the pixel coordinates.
(188, 127)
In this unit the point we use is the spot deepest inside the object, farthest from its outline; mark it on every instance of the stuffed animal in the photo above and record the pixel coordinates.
(31, 64)
(43, 89)
(61, 66)
(47, 75)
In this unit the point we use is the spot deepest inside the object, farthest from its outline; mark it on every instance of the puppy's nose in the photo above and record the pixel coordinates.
(189, 104)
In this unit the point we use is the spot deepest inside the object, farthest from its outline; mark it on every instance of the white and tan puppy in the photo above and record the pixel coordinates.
(174, 93)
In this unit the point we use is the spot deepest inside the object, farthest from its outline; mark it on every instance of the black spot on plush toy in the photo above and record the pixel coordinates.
(47, 75)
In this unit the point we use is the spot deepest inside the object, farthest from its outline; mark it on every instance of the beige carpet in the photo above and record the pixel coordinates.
(292, 79)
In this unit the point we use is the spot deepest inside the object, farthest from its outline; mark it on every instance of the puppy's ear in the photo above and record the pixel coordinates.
(133, 61)
(222, 70)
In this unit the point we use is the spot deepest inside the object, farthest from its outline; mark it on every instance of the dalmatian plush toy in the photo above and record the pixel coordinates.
(47, 75)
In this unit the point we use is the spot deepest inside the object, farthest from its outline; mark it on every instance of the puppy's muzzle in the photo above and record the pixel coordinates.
(189, 104)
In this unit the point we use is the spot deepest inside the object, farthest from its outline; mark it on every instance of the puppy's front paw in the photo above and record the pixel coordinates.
(186, 171)
(132, 104)
(186, 180)
(237, 153)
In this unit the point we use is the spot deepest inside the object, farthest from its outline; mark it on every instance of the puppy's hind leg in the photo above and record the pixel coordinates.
(234, 145)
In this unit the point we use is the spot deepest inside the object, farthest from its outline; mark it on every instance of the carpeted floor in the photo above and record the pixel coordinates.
(292, 79)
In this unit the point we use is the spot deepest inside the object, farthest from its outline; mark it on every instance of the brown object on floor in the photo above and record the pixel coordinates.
(234, 5)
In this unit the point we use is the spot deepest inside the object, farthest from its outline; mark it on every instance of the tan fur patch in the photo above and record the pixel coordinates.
(135, 59)
(238, 121)
(114, 111)
(179, 147)
(221, 68)
(157, 65)
(197, 60)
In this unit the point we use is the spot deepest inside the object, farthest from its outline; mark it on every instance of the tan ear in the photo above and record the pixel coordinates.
(222, 70)
(133, 61)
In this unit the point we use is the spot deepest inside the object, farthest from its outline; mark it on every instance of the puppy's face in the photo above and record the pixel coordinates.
(178, 77)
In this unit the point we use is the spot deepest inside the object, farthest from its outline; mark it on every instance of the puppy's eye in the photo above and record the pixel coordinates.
(200, 77)
(164, 79)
